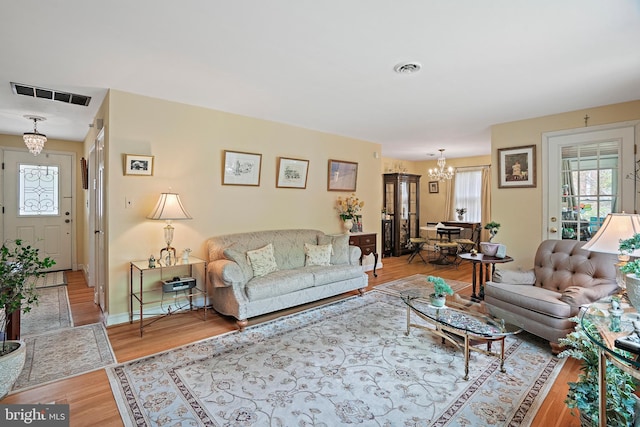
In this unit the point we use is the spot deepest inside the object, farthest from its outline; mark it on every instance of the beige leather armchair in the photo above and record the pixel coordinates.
(543, 299)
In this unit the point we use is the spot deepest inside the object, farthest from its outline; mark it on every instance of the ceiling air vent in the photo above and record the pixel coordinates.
(54, 95)
(407, 68)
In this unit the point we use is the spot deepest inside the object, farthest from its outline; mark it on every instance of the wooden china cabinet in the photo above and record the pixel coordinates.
(402, 203)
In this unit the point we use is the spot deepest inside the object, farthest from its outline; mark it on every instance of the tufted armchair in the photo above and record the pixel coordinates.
(543, 299)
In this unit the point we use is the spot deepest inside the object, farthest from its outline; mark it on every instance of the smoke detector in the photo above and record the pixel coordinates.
(407, 68)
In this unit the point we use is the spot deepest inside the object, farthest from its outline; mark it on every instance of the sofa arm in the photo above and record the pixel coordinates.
(223, 272)
(577, 295)
(527, 277)
(354, 255)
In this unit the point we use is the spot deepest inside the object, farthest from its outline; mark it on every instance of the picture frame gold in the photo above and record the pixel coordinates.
(138, 164)
(292, 173)
(517, 167)
(240, 168)
(433, 187)
(342, 175)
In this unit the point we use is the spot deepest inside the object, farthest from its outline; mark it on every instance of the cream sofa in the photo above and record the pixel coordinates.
(243, 289)
(543, 299)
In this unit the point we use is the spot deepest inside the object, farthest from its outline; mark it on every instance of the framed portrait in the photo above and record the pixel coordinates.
(136, 164)
(292, 173)
(342, 176)
(241, 168)
(433, 187)
(517, 167)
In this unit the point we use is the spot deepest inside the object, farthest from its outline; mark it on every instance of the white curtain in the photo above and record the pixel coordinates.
(467, 194)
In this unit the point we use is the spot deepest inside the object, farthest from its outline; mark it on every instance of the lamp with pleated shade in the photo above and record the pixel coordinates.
(169, 208)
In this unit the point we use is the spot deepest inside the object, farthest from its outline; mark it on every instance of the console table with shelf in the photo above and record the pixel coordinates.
(177, 301)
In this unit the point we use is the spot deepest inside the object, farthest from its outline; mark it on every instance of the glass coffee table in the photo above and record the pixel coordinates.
(463, 325)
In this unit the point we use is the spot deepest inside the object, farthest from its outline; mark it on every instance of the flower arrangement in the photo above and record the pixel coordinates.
(440, 287)
(349, 207)
(461, 211)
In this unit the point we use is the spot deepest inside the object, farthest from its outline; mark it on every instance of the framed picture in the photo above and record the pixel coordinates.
(292, 173)
(517, 167)
(342, 176)
(433, 186)
(85, 173)
(136, 164)
(241, 168)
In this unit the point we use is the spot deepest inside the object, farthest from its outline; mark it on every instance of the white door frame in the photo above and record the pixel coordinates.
(627, 165)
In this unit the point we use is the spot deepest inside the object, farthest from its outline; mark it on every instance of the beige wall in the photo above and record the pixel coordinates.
(187, 143)
(519, 210)
(16, 141)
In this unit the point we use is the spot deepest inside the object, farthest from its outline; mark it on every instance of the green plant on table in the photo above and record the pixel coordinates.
(583, 394)
(493, 228)
(440, 287)
(18, 264)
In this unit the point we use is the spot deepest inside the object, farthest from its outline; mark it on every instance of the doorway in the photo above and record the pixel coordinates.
(38, 203)
(587, 178)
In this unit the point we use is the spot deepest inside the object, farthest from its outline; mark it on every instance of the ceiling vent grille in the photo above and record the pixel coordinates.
(51, 94)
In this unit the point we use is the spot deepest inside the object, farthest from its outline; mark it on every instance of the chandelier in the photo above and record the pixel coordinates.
(440, 174)
(34, 140)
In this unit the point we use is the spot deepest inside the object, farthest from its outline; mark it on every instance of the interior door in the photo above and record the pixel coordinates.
(587, 179)
(38, 203)
(97, 204)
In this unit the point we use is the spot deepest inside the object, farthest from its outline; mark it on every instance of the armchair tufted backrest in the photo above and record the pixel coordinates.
(563, 263)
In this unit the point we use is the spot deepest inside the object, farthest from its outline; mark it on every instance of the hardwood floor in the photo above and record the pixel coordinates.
(89, 395)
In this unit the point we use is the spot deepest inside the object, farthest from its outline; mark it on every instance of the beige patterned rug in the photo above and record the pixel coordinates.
(346, 363)
(64, 353)
(416, 281)
(55, 278)
(52, 312)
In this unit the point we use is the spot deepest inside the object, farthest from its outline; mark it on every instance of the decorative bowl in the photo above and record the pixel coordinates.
(488, 248)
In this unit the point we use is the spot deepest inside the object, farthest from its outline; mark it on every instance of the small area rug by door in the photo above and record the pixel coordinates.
(345, 363)
(55, 278)
(64, 353)
(416, 281)
(52, 312)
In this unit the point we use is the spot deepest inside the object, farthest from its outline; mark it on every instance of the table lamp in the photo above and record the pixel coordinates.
(169, 208)
(616, 227)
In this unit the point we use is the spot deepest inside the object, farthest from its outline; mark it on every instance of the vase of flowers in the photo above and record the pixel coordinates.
(461, 212)
(348, 208)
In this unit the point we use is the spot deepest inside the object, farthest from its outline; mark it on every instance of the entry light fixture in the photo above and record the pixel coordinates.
(35, 140)
(169, 208)
(440, 173)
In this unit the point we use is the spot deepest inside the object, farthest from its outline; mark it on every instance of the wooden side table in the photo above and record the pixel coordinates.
(489, 263)
(367, 243)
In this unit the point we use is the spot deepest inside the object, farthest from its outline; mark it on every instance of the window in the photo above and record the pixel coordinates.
(38, 192)
(468, 194)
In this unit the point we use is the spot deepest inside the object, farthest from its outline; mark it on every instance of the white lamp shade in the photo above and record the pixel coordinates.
(616, 227)
(169, 207)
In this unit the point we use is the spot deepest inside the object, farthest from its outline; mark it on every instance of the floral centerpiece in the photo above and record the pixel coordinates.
(349, 207)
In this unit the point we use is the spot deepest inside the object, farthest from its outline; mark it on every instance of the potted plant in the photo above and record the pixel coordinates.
(440, 291)
(19, 265)
(631, 268)
(583, 394)
(461, 212)
(489, 248)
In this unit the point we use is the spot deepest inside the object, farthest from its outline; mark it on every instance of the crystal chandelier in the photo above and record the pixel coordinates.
(440, 174)
(34, 140)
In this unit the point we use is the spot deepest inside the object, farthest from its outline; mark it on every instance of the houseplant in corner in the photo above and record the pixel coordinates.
(583, 394)
(20, 264)
(489, 248)
(440, 291)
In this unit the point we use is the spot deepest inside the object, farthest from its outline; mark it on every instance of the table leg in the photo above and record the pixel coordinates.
(602, 389)
(474, 297)
(502, 355)
(466, 356)
(408, 320)
(375, 263)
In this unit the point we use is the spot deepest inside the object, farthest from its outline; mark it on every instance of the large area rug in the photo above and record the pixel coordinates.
(64, 353)
(348, 362)
(52, 312)
(417, 281)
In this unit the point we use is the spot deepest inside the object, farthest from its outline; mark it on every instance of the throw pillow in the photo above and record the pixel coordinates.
(239, 258)
(262, 260)
(516, 277)
(340, 245)
(317, 254)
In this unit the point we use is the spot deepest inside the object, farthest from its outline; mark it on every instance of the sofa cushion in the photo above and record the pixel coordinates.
(334, 273)
(279, 283)
(262, 260)
(530, 297)
(317, 254)
(240, 258)
(511, 276)
(340, 245)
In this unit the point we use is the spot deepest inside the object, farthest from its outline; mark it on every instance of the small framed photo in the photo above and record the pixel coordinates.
(342, 176)
(292, 173)
(241, 168)
(136, 164)
(433, 187)
(517, 167)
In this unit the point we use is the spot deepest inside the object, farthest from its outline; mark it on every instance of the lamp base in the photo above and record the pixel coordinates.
(168, 259)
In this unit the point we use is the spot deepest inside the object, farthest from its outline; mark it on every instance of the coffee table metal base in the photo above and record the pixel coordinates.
(462, 340)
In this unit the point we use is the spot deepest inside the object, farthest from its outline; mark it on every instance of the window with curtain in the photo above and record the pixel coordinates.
(467, 194)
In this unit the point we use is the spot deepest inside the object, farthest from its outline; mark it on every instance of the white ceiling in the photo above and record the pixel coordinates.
(327, 65)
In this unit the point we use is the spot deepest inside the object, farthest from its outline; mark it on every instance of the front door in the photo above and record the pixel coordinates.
(38, 203)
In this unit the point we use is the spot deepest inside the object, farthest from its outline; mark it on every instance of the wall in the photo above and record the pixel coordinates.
(519, 210)
(187, 143)
(16, 141)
